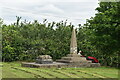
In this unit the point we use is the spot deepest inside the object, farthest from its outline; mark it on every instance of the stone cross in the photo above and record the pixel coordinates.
(73, 45)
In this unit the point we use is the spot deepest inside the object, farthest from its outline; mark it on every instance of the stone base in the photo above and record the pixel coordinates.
(59, 65)
(44, 59)
(95, 65)
(47, 61)
(73, 58)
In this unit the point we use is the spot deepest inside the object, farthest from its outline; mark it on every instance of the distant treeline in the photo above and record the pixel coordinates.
(99, 37)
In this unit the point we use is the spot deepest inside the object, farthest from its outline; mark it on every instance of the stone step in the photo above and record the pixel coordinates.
(73, 61)
(74, 58)
(73, 55)
(64, 61)
(59, 65)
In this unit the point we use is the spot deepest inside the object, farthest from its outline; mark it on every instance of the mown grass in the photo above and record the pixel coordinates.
(14, 70)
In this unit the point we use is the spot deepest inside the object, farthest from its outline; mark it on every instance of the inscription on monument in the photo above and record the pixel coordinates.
(73, 50)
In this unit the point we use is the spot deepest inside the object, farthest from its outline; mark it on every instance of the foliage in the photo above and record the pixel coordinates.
(25, 40)
(103, 32)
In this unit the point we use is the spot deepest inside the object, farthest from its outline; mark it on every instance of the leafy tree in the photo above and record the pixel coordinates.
(26, 40)
(104, 31)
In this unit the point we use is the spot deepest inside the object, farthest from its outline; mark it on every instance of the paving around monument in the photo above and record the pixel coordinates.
(71, 60)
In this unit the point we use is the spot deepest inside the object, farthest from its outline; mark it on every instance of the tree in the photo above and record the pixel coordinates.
(104, 31)
(26, 40)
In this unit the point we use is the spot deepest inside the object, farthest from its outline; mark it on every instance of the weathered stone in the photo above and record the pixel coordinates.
(95, 65)
(44, 59)
(73, 45)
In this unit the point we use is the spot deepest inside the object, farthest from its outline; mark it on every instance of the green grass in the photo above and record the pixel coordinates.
(14, 70)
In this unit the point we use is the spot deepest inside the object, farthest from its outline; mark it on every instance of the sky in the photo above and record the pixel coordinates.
(75, 11)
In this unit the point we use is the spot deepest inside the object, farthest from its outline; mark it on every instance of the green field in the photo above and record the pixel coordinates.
(14, 70)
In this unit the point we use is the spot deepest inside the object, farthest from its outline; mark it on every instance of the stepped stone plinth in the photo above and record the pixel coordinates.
(73, 58)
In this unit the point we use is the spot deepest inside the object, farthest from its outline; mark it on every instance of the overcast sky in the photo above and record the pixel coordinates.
(75, 11)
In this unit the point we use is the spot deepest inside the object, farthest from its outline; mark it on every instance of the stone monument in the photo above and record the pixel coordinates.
(71, 60)
(44, 59)
(73, 57)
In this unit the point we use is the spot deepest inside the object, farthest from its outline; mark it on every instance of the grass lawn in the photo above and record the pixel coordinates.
(14, 70)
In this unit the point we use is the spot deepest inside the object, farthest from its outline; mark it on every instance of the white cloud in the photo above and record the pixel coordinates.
(39, 1)
(76, 11)
(49, 8)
